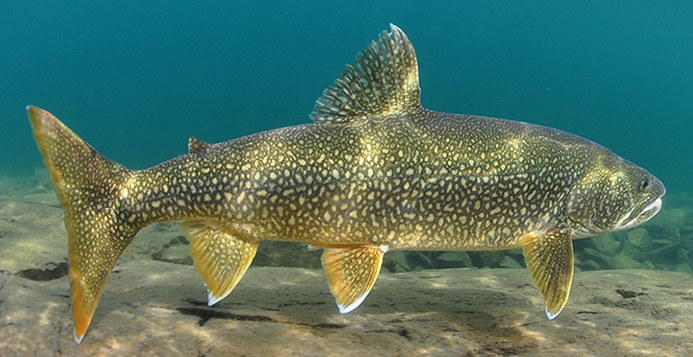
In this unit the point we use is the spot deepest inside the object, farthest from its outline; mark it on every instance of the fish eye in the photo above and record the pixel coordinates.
(645, 184)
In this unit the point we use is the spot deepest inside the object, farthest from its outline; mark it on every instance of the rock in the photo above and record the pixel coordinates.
(664, 246)
(687, 241)
(686, 230)
(153, 308)
(516, 253)
(177, 254)
(671, 233)
(510, 263)
(154, 240)
(622, 261)
(599, 257)
(293, 254)
(669, 217)
(606, 244)
(619, 261)
(419, 260)
(457, 259)
(487, 259)
(630, 250)
(589, 264)
(640, 238)
(683, 267)
(32, 236)
(688, 220)
(396, 262)
(661, 242)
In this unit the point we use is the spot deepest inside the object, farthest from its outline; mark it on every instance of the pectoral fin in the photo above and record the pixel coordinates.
(351, 272)
(549, 258)
(220, 257)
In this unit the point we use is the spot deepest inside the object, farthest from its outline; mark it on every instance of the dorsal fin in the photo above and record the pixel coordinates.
(195, 144)
(384, 80)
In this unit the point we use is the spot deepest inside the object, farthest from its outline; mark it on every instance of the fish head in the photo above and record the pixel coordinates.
(616, 195)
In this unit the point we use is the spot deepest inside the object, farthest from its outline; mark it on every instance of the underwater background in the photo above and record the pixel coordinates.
(135, 79)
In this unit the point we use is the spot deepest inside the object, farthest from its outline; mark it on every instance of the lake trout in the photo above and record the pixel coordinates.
(374, 172)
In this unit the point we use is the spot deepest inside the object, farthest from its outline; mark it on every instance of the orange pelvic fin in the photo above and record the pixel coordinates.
(351, 272)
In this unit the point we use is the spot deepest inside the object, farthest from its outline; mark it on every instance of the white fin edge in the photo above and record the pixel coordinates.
(552, 316)
(354, 305)
(211, 299)
(78, 340)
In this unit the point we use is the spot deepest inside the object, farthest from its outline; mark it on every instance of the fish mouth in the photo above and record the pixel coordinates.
(656, 205)
(645, 214)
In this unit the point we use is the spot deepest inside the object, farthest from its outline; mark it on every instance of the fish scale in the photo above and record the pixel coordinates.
(375, 172)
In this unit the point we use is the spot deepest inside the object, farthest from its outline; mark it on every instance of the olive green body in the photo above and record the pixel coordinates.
(417, 180)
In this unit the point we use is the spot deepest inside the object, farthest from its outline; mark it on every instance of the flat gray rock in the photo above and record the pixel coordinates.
(154, 308)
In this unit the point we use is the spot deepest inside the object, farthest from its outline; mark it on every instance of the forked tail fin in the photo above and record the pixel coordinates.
(92, 190)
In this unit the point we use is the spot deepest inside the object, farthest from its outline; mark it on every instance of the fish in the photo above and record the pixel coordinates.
(373, 172)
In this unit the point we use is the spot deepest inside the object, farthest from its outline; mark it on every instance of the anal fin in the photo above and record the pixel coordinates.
(549, 258)
(351, 272)
(220, 257)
